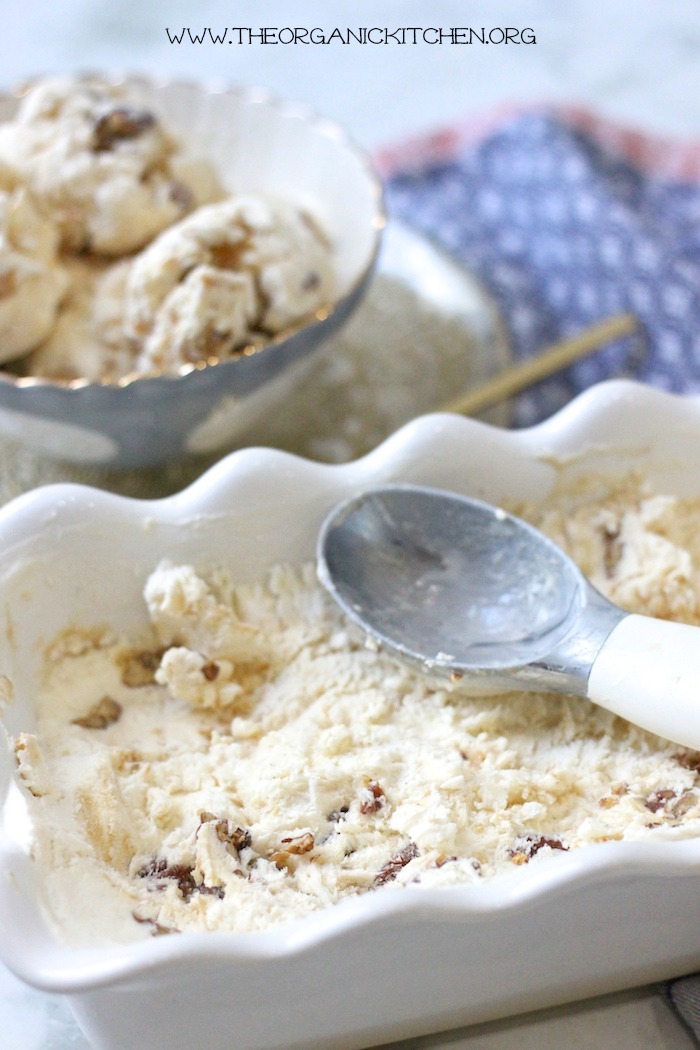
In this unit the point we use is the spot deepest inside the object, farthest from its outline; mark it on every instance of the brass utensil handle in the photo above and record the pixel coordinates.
(558, 356)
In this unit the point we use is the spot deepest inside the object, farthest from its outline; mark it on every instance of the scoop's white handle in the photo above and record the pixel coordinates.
(648, 671)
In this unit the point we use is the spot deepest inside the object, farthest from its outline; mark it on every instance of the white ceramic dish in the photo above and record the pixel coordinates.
(381, 966)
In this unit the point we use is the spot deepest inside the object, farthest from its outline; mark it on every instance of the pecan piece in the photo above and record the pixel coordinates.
(614, 796)
(228, 256)
(444, 859)
(684, 803)
(182, 874)
(526, 848)
(293, 846)
(373, 797)
(394, 865)
(212, 891)
(102, 714)
(211, 671)
(689, 760)
(657, 799)
(299, 843)
(159, 869)
(120, 124)
(238, 838)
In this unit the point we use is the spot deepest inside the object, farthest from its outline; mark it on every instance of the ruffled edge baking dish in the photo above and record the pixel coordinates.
(383, 965)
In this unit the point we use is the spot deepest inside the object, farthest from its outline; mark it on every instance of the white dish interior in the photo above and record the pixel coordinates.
(381, 966)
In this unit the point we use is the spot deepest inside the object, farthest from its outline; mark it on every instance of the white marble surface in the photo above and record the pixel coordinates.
(635, 60)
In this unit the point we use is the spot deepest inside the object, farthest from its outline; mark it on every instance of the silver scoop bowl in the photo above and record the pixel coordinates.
(467, 591)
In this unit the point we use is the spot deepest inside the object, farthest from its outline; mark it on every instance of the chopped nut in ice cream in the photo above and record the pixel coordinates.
(372, 797)
(102, 714)
(394, 865)
(528, 845)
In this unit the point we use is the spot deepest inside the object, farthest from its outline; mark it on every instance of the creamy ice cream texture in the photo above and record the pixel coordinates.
(102, 164)
(230, 275)
(32, 279)
(121, 251)
(253, 760)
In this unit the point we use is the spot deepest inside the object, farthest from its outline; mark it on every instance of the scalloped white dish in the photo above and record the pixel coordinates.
(381, 966)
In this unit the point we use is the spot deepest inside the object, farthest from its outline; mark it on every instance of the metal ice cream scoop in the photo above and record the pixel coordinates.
(466, 590)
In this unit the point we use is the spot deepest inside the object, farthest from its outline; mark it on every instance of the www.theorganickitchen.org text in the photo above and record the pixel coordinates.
(346, 36)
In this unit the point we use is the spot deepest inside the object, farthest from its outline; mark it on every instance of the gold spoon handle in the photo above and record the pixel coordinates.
(556, 357)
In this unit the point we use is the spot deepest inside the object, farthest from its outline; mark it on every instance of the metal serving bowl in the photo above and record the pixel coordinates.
(258, 143)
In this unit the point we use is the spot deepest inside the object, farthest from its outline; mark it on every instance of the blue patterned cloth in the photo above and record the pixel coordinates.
(566, 233)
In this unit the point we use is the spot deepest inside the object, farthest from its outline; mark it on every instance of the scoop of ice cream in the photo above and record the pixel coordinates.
(100, 160)
(32, 281)
(229, 275)
(184, 610)
(87, 340)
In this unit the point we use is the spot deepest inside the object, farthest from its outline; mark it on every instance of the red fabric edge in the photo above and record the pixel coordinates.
(659, 155)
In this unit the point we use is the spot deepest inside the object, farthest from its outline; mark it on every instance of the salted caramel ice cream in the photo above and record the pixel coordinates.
(33, 282)
(253, 760)
(87, 338)
(103, 164)
(230, 275)
(121, 251)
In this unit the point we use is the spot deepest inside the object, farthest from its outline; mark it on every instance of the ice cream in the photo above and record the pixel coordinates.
(87, 340)
(252, 760)
(121, 251)
(229, 275)
(102, 163)
(32, 279)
